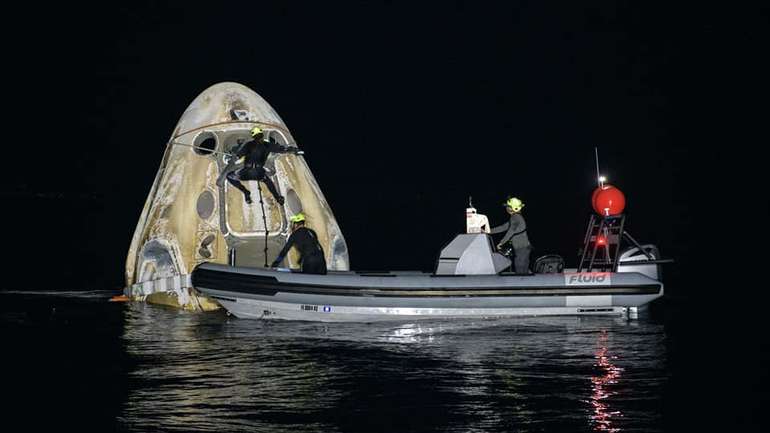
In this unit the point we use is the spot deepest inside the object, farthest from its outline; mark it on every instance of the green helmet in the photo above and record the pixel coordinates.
(256, 131)
(298, 218)
(514, 204)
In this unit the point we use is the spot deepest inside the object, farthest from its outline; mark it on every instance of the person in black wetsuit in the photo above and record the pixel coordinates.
(515, 232)
(311, 255)
(256, 152)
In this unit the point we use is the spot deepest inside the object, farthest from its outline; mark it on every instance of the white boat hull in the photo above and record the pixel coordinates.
(256, 309)
(351, 297)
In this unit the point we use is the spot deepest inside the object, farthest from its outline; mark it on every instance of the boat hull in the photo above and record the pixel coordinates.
(368, 297)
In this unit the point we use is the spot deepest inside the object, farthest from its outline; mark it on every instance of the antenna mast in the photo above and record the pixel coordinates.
(598, 175)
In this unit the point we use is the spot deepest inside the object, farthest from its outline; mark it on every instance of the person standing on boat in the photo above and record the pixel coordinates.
(255, 153)
(311, 254)
(515, 232)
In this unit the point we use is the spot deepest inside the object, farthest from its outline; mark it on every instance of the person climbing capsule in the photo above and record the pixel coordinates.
(255, 153)
(311, 253)
(515, 232)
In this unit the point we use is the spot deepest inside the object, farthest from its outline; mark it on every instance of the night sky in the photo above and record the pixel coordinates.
(404, 111)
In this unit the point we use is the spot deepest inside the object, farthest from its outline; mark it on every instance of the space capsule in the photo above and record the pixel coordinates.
(193, 215)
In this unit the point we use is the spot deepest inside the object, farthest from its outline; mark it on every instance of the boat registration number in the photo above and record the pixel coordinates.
(325, 308)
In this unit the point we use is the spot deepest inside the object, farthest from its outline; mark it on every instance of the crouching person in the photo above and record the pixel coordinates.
(311, 254)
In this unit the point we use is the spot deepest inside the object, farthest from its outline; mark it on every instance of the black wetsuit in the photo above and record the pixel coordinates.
(516, 232)
(256, 153)
(311, 255)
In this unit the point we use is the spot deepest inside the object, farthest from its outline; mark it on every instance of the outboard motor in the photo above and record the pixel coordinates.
(634, 254)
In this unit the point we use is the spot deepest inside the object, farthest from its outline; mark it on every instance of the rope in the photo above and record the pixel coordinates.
(264, 218)
(298, 152)
(202, 148)
(233, 122)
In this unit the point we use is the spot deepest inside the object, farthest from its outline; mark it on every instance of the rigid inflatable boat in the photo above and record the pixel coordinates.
(470, 281)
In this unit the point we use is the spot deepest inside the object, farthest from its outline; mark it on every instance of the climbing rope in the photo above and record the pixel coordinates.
(264, 217)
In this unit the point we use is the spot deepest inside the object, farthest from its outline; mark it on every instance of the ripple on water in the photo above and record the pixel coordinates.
(211, 372)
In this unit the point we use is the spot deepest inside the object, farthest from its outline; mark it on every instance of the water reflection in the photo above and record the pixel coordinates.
(411, 333)
(205, 372)
(603, 416)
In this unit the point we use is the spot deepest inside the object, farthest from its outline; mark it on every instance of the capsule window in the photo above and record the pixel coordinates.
(278, 137)
(205, 205)
(205, 143)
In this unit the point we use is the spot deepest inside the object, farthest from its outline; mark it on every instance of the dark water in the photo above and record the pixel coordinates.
(75, 361)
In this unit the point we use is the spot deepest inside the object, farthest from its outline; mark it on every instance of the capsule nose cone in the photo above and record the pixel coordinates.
(225, 103)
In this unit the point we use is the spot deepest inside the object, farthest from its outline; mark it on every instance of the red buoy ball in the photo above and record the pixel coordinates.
(608, 200)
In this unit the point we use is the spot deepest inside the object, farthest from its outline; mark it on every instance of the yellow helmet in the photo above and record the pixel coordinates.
(298, 218)
(514, 204)
(255, 131)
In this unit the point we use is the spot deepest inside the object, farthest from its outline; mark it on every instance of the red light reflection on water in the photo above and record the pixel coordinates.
(603, 417)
